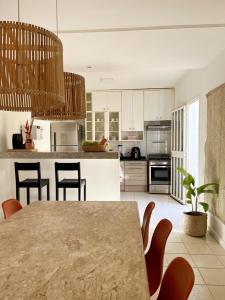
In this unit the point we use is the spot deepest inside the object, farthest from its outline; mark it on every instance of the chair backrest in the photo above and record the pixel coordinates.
(10, 206)
(27, 167)
(178, 281)
(66, 167)
(155, 255)
(146, 222)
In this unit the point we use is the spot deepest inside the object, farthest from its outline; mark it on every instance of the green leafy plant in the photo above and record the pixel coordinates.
(193, 192)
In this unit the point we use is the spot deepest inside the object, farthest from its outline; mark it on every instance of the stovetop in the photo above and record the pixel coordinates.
(159, 156)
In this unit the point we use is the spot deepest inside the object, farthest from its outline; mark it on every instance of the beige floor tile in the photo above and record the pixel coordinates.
(200, 292)
(192, 240)
(175, 248)
(206, 261)
(198, 277)
(175, 237)
(198, 248)
(218, 292)
(216, 248)
(171, 256)
(222, 259)
(213, 276)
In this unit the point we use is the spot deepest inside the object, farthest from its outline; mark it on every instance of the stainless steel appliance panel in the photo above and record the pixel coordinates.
(66, 136)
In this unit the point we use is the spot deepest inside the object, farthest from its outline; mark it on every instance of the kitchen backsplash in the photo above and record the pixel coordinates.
(154, 142)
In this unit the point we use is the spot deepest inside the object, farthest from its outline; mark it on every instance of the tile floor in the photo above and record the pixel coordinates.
(205, 255)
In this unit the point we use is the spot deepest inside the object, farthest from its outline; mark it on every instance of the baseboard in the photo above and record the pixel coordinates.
(217, 229)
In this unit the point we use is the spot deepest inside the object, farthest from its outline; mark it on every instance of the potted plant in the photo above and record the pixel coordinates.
(195, 221)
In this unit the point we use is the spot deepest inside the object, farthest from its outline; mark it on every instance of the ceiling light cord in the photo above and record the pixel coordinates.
(18, 10)
(57, 17)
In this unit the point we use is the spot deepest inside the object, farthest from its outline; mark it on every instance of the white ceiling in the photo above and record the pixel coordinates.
(133, 58)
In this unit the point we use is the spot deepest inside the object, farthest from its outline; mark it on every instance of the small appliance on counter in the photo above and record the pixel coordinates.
(135, 153)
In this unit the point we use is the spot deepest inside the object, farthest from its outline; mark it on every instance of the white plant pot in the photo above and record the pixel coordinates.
(195, 225)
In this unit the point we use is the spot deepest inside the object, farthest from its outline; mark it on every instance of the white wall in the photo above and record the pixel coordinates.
(198, 83)
(11, 122)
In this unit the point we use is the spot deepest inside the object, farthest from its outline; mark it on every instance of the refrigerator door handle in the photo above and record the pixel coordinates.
(54, 141)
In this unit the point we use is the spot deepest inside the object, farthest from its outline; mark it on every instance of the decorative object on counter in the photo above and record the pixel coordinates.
(17, 141)
(195, 222)
(31, 77)
(29, 143)
(75, 107)
(89, 146)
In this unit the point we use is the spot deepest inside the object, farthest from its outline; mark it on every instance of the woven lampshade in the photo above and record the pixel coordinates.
(31, 69)
(75, 106)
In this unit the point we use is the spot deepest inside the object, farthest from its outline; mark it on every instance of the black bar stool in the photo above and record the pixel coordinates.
(30, 183)
(69, 183)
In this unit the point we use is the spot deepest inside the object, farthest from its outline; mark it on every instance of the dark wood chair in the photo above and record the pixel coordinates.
(10, 207)
(155, 255)
(29, 183)
(146, 223)
(69, 183)
(178, 281)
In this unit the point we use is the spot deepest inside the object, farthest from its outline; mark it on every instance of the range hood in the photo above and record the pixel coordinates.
(157, 125)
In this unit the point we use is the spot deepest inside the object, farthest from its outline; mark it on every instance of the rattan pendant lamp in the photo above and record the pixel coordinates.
(75, 106)
(31, 68)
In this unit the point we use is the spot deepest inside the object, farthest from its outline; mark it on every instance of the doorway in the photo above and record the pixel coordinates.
(193, 139)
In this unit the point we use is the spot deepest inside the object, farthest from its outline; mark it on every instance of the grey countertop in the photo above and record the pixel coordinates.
(58, 155)
(73, 250)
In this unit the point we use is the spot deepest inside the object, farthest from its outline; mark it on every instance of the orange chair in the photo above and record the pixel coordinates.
(10, 206)
(146, 221)
(178, 281)
(155, 255)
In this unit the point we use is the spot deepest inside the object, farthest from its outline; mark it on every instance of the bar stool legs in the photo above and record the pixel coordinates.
(85, 192)
(28, 196)
(64, 194)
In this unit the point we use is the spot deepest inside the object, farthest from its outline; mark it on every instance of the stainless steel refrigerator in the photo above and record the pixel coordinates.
(67, 136)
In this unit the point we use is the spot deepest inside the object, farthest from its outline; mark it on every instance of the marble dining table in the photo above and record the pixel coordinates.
(73, 250)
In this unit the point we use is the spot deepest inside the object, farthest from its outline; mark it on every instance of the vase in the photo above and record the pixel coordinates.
(195, 224)
(17, 141)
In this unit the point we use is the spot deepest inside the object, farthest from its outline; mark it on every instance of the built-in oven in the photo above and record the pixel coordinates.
(159, 176)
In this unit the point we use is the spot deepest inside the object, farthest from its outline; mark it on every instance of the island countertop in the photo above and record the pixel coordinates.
(71, 250)
(58, 155)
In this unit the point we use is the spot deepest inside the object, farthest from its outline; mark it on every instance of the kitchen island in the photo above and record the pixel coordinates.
(101, 170)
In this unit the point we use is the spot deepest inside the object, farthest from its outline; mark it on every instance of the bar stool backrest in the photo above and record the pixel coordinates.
(67, 167)
(27, 167)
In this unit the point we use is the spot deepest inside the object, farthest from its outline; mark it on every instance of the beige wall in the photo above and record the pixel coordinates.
(198, 83)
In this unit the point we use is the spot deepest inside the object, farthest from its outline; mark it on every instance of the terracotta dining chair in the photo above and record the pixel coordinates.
(10, 207)
(178, 281)
(155, 255)
(146, 223)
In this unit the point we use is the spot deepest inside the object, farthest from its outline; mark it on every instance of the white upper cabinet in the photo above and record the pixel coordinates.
(151, 105)
(99, 101)
(132, 111)
(106, 101)
(167, 99)
(158, 104)
(127, 111)
(138, 111)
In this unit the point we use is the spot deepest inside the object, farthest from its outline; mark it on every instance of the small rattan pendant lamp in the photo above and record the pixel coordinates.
(31, 68)
(75, 106)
